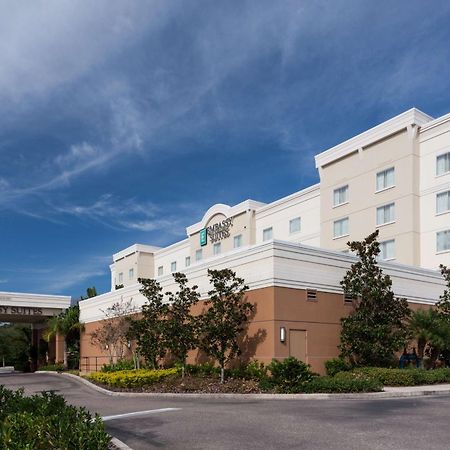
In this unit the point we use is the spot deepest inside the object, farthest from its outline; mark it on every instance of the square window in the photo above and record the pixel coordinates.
(340, 227)
(198, 255)
(187, 261)
(443, 202)
(131, 274)
(267, 234)
(216, 248)
(443, 164)
(387, 250)
(160, 271)
(385, 179)
(340, 195)
(294, 225)
(386, 214)
(173, 266)
(237, 241)
(443, 241)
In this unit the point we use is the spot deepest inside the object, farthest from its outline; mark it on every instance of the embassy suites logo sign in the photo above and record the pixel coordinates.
(216, 232)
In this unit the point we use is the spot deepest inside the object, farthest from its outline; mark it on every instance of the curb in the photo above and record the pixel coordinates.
(118, 444)
(389, 392)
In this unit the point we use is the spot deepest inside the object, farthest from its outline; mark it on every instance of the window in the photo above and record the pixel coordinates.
(267, 234)
(387, 250)
(340, 195)
(294, 225)
(160, 271)
(443, 241)
(198, 255)
(443, 164)
(187, 261)
(311, 294)
(385, 179)
(340, 228)
(443, 202)
(173, 266)
(120, 278)
(386, 214)
(237, 241)
(131, 274)
(216, 248)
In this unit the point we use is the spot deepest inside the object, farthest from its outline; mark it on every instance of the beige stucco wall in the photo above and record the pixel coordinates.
(434, 141)
(359, 170)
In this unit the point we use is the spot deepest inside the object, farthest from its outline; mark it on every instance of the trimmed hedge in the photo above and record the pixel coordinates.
(59, 367)
(125, 364)
(335, 385)
(132, 378)
(405, 377)
(45, 422)
(336, 365)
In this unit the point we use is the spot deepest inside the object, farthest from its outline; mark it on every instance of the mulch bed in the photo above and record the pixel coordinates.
(198, 385)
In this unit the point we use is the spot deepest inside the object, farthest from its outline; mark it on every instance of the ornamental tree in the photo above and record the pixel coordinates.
(148, 330)
(180, 327)
(377, 326)
(225, 317)
(112, 335)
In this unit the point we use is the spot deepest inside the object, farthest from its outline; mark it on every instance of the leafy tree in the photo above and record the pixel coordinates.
(68, 325)
(90, 292)
(225, 318)
(179, 328)
(443, 305)
(148, 330)
(113, 334)
(377, 326)
(15, 343)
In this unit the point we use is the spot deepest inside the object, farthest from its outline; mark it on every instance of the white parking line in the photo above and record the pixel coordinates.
(139, 413)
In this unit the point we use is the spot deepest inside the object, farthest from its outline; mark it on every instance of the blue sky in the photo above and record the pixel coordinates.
(122, 122)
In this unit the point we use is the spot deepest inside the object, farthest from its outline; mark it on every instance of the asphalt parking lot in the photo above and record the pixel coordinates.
(182, 423)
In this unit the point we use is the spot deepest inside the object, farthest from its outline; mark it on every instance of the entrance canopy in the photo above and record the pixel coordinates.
(30, 308)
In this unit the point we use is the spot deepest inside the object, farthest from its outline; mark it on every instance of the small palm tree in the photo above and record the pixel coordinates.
(428, 327)
(66, 324)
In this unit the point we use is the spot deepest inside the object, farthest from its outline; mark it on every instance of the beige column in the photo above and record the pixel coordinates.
(59, 348)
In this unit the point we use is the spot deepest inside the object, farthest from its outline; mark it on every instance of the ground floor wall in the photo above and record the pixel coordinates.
(310, 321)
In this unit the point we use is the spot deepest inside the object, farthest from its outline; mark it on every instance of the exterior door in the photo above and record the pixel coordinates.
(297, 344)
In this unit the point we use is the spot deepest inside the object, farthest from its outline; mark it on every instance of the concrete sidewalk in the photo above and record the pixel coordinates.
(388, 392)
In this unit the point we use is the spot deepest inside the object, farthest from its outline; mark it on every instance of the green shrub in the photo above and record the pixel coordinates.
(341, 385)
(335, 365)
(59, 367)
(288, 375)
(132, 378)
(45, 421)
(405, 377)
(202, 370)
(254, 370)
(124, 364)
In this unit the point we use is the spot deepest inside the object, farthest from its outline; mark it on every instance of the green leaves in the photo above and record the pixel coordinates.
(225, 317)
(46, 422)
(377, 327)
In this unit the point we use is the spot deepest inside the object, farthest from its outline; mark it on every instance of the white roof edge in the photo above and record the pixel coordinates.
(274, 204)
(220, 208)
(135, 248)
(412, 116)
(172, 246)
(29, 294)
(434, 123)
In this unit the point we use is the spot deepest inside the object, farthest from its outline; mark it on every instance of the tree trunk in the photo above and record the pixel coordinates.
(65, 353)
(182, 370)
(222, 374)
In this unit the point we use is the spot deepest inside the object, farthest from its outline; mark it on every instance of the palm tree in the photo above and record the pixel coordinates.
(67, 324)
(428, 328)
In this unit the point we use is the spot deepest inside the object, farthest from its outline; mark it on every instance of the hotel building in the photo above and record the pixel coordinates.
(292, 253)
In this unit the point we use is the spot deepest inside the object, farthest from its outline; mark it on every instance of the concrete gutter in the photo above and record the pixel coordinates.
(388, 392)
